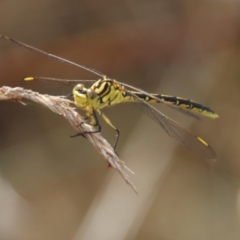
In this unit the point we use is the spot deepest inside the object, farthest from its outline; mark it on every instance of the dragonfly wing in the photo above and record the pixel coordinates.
(175, 130)
(184, 111)
(52, 85)
(68, 82)
(142, 91)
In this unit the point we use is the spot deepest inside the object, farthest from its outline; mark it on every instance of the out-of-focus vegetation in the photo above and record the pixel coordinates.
(55, 187)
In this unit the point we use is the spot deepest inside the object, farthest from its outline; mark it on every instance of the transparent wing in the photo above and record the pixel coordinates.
(183, 111)
(68, 82)
(60, 59)
(175, 130)
(53, 85)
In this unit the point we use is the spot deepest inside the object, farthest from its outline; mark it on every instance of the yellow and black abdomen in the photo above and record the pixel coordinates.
(179, 102)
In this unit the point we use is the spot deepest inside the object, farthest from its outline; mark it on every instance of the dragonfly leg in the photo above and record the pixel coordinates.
(94, 115)
(111, 125)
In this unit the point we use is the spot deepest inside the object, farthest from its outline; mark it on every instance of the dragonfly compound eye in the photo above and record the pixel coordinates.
(91, 93)
(80, 89)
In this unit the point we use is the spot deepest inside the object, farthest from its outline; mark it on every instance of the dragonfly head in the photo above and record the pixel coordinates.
(82, 95)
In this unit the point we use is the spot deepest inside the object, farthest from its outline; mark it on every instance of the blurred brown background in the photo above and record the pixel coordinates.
(54, 187)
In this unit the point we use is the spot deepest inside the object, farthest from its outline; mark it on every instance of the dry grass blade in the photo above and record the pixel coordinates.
(65, 108)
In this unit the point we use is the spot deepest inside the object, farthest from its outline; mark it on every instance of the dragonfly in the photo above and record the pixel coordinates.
(107, 92)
